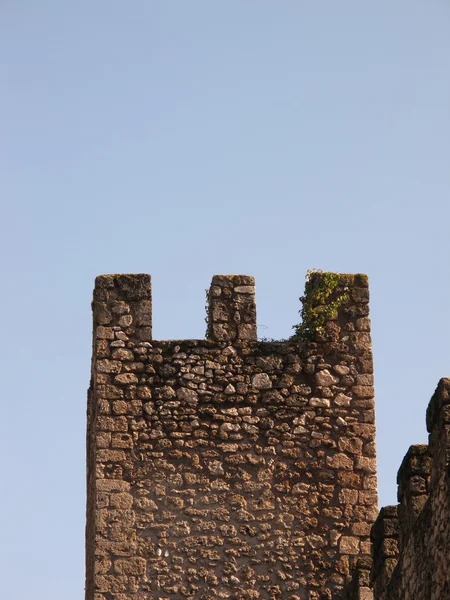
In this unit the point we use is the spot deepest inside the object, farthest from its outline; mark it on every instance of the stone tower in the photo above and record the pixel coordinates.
(230, 467)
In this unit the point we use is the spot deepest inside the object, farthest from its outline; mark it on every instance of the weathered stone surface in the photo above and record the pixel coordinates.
(122, 354)
(325, 378)
(187, 394)
(126, 378)
(261, 381)
(109, 366)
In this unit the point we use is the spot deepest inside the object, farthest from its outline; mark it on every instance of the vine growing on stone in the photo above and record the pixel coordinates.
(207, 319)
(317, 308)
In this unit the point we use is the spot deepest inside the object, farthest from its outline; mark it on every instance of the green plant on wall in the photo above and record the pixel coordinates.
(317, 308)
(207, 319)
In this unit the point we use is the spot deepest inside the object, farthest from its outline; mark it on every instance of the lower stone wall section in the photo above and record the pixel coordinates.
(230, 472)
(412, 551)
(423, 570)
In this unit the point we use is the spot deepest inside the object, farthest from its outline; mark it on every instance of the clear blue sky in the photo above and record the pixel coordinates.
(185, 139)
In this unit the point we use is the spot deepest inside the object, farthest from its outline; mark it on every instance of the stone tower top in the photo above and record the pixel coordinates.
(230, 467)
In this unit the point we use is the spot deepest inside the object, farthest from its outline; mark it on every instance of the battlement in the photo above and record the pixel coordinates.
(230, 467)
(411, 541)
(336, 303)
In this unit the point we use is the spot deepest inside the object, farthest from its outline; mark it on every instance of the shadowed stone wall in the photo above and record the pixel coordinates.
(228, 467)
(411, 541)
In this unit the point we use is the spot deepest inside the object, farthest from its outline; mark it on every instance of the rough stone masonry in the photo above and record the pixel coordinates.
(229, 467)
(411, 541)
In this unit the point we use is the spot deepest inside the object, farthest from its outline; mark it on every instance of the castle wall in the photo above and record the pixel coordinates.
(228, 467)
(412, 540)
